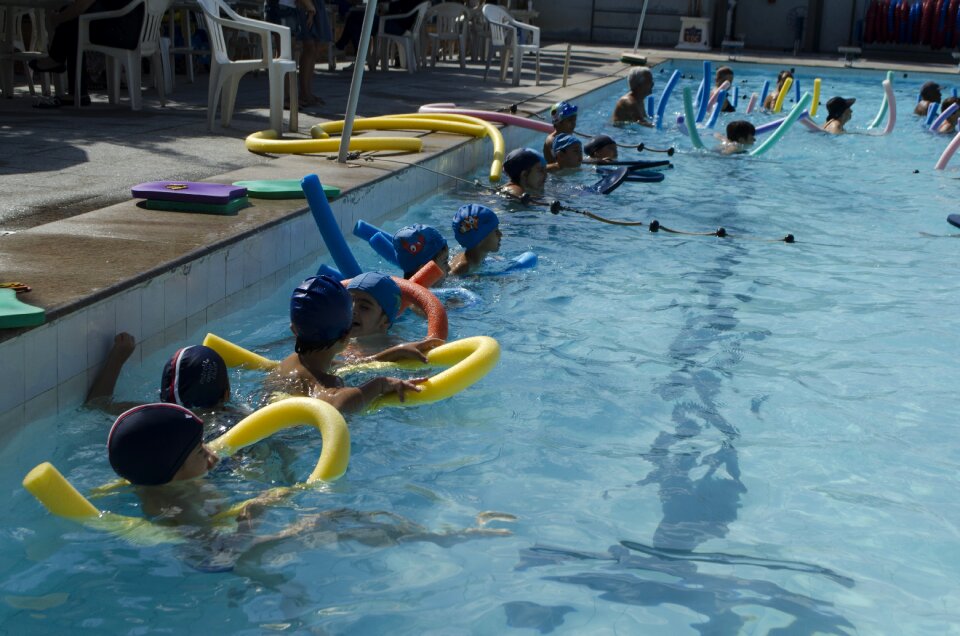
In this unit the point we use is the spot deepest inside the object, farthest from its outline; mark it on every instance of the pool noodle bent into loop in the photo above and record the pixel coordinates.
(951, 109)
(784, 127)
(665, 97)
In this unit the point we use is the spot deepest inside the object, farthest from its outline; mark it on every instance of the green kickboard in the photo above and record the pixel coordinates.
(14, 313)
(281, 189)
(224, 209)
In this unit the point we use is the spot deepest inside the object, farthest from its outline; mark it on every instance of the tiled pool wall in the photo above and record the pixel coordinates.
(48, 370)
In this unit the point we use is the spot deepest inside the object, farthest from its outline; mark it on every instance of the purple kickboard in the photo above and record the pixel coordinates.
(188, 191)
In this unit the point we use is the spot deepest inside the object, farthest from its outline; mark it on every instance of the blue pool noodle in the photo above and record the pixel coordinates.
(524, 261)
(650, 105)
(763, 93)
(932, 113)
(953, 91)
(382, 244)
(665, 97)
(327, 224)
(705, 97)
(796, 89)
(717, 107)
(326, 270)
(364, 230)
(736, 97)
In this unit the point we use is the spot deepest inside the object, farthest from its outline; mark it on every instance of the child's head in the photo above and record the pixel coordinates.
(376, 302)
(782, 76)
(195, 377)
(527, 168)
(724, 74)
(321, 314)
(947, 103)
(601, 147)
(564, 116)
(568, 150)
(477, 226)
(417, 245)
(839, 108)
(930, 92)
(156, 444)
(640, 80)
(741, 132)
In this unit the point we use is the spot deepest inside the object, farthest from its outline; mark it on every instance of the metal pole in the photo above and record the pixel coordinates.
(643, 15)
(357, 80)
(566, 66)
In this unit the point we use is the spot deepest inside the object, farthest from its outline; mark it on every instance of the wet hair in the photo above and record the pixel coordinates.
(948, 102)
(637, 75)
(739, 130)
(783, 75)
(929, 90)
(723, 70)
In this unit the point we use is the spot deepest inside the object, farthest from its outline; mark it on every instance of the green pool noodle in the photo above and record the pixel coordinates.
(281, 189)
(690, 119)
(784, 127)
(14, 313)
(883, 105)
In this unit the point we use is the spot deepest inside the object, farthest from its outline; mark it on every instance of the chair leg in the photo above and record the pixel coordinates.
(486, 54)
(517, 65)
(294, 83)
(275, 79)
(213, 95)
(538, 67)
(134, 83)
(228, 99)
(504, 60)
(76, 84)
(410, 53)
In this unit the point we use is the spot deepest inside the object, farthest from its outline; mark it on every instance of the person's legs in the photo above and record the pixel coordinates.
(308, 60)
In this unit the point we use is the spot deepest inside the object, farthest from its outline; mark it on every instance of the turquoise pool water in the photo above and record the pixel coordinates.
(697, 435)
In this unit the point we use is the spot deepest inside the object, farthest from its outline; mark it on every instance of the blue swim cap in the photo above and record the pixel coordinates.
(472, 223)
(562, 110)
(416, 246)
(519, 160)
(148, 444)
(321, 310)
(383, 289)
(195, 377)
(562, 141)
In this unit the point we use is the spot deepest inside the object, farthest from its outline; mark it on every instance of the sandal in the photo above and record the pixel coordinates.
(17, 287)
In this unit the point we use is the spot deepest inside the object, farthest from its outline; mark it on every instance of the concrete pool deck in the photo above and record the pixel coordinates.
(98, 263)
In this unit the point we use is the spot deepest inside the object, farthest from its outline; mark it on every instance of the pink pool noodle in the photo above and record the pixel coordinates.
(751, 103)
(716, 92)
(489, 115)
(892, 102)
(948, 153)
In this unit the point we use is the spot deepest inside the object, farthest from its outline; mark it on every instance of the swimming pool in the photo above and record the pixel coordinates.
(697, 435)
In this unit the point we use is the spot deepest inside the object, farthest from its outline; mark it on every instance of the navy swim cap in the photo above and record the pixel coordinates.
(321, 310)
(563, 141)
(472, 223)
(519, 160)
(416, 246)
(148, 444)
(194, 377)
(597, 143)
(383, 289)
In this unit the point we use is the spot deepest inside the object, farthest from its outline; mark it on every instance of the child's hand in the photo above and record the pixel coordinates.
(400, 387)
(409, 351)
(123, 345)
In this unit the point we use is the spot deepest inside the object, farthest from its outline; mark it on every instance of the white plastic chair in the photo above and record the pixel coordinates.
(408, 44)
(507, 35)
(148, 46)
(451, 20)
(225, 73)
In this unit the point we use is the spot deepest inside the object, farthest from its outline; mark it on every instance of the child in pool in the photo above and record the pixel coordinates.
(564, 116)
(526, 169)
(416, 245)
(929, 94)
(321, 317)
(740, 136)
(771, 99)
(631, 108)
(600, 149)
(949, 124)
(724, 74)
(477, 230)
(376, 304)
(159, 449)
(568, 153)
(838, 114)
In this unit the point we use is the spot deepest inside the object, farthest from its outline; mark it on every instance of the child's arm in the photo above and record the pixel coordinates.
(106, 380)
(407, 351)
(353, 399)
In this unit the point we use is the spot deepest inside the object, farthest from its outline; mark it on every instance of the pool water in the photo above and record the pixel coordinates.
(696, 435)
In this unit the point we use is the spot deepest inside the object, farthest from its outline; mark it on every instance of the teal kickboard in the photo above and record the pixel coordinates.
(14, 313)
(281, 189)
